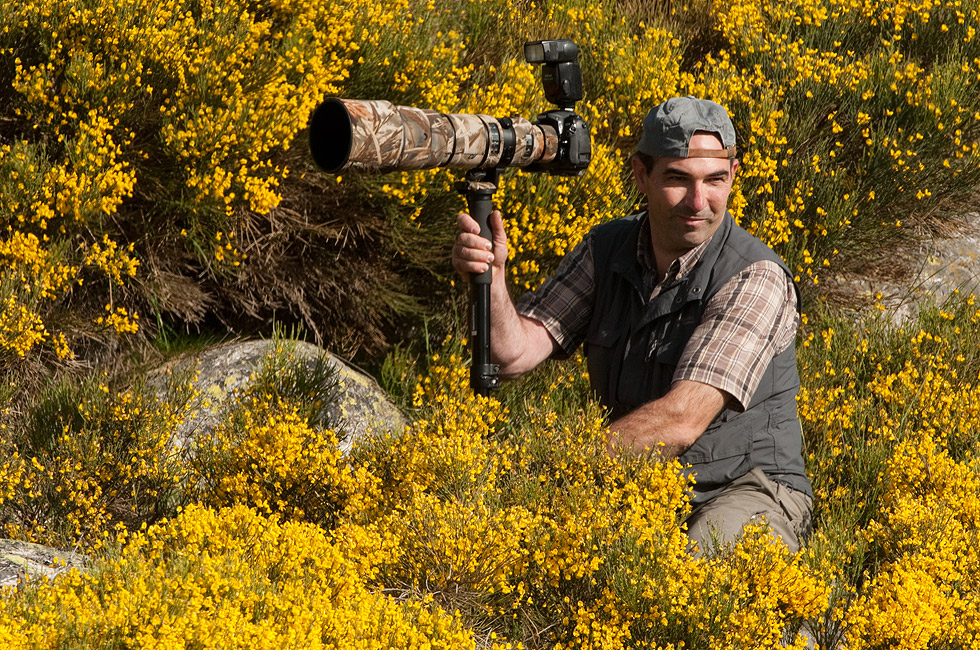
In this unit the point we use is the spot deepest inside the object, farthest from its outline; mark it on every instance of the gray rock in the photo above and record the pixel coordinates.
(22, 559)
(355, 405)
(939, 265)
(947, 263)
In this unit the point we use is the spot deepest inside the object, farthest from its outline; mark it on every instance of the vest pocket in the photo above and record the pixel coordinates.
(728, 437)
(600, 353)
(670, 334)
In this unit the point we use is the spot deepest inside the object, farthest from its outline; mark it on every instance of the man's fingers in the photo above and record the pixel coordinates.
(472, 241)
(478, 253)
(466, 223)
(472, 253)
(497, 227)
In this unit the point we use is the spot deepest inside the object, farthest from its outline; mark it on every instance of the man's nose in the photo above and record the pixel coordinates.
(696, 199)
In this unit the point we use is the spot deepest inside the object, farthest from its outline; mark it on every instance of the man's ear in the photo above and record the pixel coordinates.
(640, 174)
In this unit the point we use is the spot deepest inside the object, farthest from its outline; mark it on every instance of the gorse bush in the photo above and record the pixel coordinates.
(875, 121)
(188, 584)
(511, 514)
(153, 178)
(83, 460)
(519, 523)
(87, 459)
(266, 456)
(122, 135)
(891, 420)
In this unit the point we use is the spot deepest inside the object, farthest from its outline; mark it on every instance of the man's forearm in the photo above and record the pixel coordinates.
(671, 424)
(517, 343)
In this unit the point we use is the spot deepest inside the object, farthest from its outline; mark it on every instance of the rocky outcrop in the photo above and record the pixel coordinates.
(23, 559)
(355, 405)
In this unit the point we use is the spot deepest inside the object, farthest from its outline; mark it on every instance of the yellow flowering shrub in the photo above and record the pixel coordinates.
(267, 456)
(126, 141)
(866, 120)
(928, 531)
(520, 520)
(768, 594)
(891, 417)
(84, 460)
(226, 579)
(11, 476)
(509, 512)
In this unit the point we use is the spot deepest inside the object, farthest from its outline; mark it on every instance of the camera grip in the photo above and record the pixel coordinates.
(480, 208)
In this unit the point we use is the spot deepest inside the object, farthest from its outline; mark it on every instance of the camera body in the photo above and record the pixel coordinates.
(378, 136)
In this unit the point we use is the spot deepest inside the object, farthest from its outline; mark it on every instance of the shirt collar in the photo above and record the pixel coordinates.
(679, 268)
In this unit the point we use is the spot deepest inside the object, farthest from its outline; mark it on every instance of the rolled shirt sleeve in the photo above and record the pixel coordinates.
(752, 318)
(746, 323)
(564, 302)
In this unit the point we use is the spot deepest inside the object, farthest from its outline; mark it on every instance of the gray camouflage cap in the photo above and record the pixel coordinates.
(667, 129)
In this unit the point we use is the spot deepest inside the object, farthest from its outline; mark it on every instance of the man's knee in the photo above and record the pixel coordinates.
(752, 499)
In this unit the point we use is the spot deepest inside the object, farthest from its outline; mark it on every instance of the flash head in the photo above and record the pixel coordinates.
(553, 51)
(560, 72)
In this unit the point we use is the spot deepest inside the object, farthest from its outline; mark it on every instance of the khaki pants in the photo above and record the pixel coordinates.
(751, 499)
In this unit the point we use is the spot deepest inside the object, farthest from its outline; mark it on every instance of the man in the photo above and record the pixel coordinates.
(689, 328)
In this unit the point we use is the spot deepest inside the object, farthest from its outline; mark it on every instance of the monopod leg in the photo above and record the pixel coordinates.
(479, 188)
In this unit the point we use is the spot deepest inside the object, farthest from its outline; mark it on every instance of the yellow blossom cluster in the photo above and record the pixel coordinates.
(926, 593)
(265, 455)
(93, 459)
(11, 476)
(892, 445)
(120, 320)
(44, 201)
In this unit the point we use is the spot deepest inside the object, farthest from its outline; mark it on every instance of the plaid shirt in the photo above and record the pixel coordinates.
(752, 318)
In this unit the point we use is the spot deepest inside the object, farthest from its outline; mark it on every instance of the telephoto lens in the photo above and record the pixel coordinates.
(379, 136)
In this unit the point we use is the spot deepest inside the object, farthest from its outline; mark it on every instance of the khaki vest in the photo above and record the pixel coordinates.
(633, 347)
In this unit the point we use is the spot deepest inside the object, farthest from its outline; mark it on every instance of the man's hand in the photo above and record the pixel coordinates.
(517, 343)
(472, 254)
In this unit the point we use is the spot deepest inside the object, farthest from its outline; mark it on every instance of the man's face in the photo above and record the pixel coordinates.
(687, 197)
